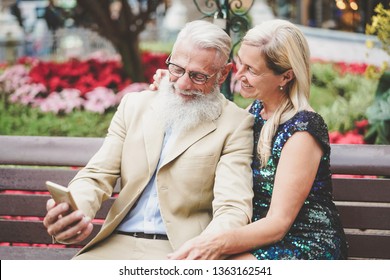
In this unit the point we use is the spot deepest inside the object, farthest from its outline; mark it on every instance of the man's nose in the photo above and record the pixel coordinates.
(184, 82)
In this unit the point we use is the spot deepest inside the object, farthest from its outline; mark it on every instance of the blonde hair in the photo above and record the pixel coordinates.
(206, 35)
(283, 47)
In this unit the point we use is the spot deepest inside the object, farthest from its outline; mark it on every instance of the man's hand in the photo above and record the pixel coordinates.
(66, 227)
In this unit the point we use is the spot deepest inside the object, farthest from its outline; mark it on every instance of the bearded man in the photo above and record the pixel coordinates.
(183, 155)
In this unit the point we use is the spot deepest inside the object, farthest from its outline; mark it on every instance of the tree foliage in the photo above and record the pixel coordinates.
(121, 23)
(380, 26)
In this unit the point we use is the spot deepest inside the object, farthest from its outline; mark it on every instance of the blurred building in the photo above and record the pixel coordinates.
(11, 33)
(345, 15)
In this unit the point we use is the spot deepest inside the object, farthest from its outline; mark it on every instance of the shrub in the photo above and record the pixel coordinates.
(379, 112)
(339, 96)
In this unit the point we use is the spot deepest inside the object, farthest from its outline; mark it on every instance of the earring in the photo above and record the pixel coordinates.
(280, 88)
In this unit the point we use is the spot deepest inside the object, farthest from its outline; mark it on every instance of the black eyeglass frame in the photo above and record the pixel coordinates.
(191, 74)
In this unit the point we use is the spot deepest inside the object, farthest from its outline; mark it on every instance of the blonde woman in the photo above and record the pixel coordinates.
(294, 216)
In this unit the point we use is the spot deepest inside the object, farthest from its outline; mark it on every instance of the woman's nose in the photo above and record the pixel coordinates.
(240, 69)
(239, 74)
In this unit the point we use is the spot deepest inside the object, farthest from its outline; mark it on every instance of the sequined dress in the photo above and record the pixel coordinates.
(317, 232)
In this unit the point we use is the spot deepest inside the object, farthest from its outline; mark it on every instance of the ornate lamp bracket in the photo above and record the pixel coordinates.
(232, 16)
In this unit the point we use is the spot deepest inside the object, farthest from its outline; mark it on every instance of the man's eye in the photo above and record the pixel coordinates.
(177, 70)
(198, 76)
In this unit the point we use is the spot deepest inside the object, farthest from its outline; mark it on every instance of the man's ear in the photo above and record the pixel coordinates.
(225, 71)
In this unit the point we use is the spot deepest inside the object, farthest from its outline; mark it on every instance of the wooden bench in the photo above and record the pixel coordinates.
(27, 162)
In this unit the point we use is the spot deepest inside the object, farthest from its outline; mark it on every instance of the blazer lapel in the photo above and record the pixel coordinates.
(153, 136)
(188, 138)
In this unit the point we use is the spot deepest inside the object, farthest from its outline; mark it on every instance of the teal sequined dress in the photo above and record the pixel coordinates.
(317, 232)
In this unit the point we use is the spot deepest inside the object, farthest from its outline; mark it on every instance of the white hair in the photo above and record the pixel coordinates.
(206, 35)
(180, 115)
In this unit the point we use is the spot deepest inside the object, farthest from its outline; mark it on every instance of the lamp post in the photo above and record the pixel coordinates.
(230, 15)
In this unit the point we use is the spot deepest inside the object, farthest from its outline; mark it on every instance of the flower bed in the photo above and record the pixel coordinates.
(355, 136)
(95, 84)
(340, 93)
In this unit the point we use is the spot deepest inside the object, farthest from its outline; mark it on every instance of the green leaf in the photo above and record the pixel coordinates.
(380, 109)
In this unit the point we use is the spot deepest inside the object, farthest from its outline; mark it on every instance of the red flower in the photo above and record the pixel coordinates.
(335, 136)
(361, 127)
(351, 68)
(355, 136)
(351, 138)
(152, 62)
(54, 83)
(81, 75)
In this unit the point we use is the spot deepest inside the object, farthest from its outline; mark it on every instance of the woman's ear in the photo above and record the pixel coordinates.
(225, 71)
(288, 76)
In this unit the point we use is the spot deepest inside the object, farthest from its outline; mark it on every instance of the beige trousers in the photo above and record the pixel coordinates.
(124, 247)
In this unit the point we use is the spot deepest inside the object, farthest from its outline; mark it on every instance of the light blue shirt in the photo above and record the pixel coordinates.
(145, 216)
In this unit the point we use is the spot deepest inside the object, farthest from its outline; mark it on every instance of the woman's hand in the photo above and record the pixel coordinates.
(157, 77)
(203, 247)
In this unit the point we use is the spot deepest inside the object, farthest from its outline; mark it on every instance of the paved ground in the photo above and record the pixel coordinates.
(331, 44)
(343, 46)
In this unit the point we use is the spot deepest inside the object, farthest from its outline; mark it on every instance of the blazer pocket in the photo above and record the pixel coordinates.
(198, 162)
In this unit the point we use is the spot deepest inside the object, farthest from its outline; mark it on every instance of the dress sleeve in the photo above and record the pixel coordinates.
(315, 125)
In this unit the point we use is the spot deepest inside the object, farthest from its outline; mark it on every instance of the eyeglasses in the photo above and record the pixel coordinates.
(178, 71)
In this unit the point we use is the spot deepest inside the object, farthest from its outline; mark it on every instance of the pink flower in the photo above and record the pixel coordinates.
(72, 99)
(14, 77)
(65, 101)
(100, 99)
(134, 87)
(53, 103)
(26, 94)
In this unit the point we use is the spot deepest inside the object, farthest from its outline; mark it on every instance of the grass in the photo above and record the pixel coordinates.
(16, 119)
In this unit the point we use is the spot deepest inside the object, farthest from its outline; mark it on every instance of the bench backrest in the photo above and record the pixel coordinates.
(363, 203)
(26, 162)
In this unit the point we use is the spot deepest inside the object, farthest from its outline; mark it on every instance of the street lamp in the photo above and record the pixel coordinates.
(230, 15)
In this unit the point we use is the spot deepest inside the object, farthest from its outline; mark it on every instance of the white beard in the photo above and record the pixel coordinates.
(179, 114)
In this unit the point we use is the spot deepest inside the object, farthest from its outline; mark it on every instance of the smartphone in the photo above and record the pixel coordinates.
(61, 194)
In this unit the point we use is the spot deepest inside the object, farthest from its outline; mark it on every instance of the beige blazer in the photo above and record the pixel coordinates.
(203, 185)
